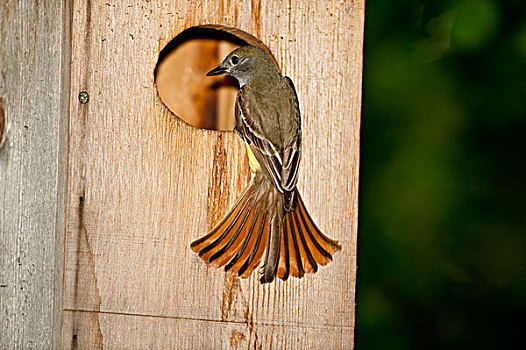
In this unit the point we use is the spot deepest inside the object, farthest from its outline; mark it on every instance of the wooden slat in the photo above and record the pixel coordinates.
(34, 87)
(98, 331)
(143, 184)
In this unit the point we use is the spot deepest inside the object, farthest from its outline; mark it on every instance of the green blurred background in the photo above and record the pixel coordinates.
(442, 228)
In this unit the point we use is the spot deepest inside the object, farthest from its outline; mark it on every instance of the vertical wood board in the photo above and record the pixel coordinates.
(34, 87)
(143, 184)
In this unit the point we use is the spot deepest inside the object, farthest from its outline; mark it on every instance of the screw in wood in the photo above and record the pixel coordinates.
(83, 97)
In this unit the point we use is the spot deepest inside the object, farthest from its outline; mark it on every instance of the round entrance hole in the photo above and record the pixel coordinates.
(204, 102)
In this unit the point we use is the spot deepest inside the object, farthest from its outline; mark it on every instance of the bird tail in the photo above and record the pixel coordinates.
(259, 228)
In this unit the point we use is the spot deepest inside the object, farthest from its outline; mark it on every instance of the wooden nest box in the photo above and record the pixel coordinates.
(119, 153)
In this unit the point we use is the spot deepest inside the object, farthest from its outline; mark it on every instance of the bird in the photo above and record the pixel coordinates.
(269, 224)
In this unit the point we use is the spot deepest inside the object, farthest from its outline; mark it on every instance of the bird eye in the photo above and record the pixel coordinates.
(234, 59)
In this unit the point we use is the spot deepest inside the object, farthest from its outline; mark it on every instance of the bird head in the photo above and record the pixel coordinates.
(245, 64)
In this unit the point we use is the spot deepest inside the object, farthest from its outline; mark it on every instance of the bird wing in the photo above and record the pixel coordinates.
(292, 151)
(280, 163)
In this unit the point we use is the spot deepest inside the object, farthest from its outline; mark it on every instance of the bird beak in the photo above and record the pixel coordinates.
(217, 71)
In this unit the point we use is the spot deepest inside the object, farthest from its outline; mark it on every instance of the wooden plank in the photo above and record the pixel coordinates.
(143, 184)
(34, 86)
(98, 330)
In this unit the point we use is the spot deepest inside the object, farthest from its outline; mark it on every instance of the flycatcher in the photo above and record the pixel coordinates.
(270, 217)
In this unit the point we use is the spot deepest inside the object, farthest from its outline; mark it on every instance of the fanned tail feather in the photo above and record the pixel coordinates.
(258, 225)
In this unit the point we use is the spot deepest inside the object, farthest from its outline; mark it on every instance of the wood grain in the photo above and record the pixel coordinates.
(146, 332)
(34, 88)
(143, 184)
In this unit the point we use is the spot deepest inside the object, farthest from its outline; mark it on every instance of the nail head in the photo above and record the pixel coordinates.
(83, 97)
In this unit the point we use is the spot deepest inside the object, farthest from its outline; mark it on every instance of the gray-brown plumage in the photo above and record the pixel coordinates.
(270, 217)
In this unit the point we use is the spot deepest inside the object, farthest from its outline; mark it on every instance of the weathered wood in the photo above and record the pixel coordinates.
(143, 184)
(34, 88)
(146, 332)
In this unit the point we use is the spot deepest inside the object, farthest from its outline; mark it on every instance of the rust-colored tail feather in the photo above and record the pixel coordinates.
(258, 225)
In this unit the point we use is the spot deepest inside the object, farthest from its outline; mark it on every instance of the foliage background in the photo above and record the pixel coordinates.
(442, 237)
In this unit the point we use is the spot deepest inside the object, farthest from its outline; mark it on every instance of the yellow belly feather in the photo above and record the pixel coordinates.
(252, 161)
